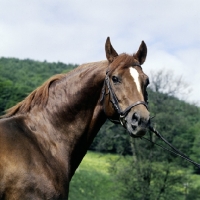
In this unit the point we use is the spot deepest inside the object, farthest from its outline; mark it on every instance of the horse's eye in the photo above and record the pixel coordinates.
(115, 79)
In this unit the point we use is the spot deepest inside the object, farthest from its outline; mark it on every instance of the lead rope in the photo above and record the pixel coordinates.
(176, 151)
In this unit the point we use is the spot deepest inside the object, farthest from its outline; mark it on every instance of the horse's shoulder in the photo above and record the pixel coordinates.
(15, 134)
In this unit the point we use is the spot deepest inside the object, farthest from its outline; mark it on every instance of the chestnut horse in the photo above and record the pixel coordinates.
(44, 138)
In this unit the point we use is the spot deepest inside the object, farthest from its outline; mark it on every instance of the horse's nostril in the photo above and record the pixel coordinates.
(134, 126)
(135, 117)
(135, 120)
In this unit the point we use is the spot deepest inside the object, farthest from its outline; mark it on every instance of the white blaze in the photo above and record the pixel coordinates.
(134, 73)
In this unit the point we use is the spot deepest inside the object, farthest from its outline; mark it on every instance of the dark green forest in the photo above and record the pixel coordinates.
(143, 170)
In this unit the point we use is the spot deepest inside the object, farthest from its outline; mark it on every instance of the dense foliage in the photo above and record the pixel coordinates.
(148, 172)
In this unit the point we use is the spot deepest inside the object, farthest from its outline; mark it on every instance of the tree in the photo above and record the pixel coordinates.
(163, 81)
(5, 91)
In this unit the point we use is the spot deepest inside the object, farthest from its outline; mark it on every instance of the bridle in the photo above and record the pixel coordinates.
(114, 100)
(123, 113)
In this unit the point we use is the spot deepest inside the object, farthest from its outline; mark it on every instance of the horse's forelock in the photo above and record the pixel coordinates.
(123, 60)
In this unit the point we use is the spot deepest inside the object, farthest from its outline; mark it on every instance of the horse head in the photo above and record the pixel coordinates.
(124, 93)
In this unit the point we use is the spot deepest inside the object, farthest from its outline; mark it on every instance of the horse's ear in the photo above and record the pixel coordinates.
(110, 51)
(141, 53)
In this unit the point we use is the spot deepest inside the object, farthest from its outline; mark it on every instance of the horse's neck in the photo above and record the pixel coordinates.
(77, 95)
(73, 114)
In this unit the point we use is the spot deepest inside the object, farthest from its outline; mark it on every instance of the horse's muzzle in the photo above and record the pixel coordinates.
(137, 124)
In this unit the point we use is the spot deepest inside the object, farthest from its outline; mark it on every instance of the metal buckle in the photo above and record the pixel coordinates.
(122, 120)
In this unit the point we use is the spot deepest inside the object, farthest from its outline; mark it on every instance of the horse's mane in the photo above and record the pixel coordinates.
(38, 97)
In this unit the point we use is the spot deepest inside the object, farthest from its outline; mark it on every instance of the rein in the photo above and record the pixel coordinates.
(175, 150)
(114, 100)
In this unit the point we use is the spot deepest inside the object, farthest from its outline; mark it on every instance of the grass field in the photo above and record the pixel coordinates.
(92, 180)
